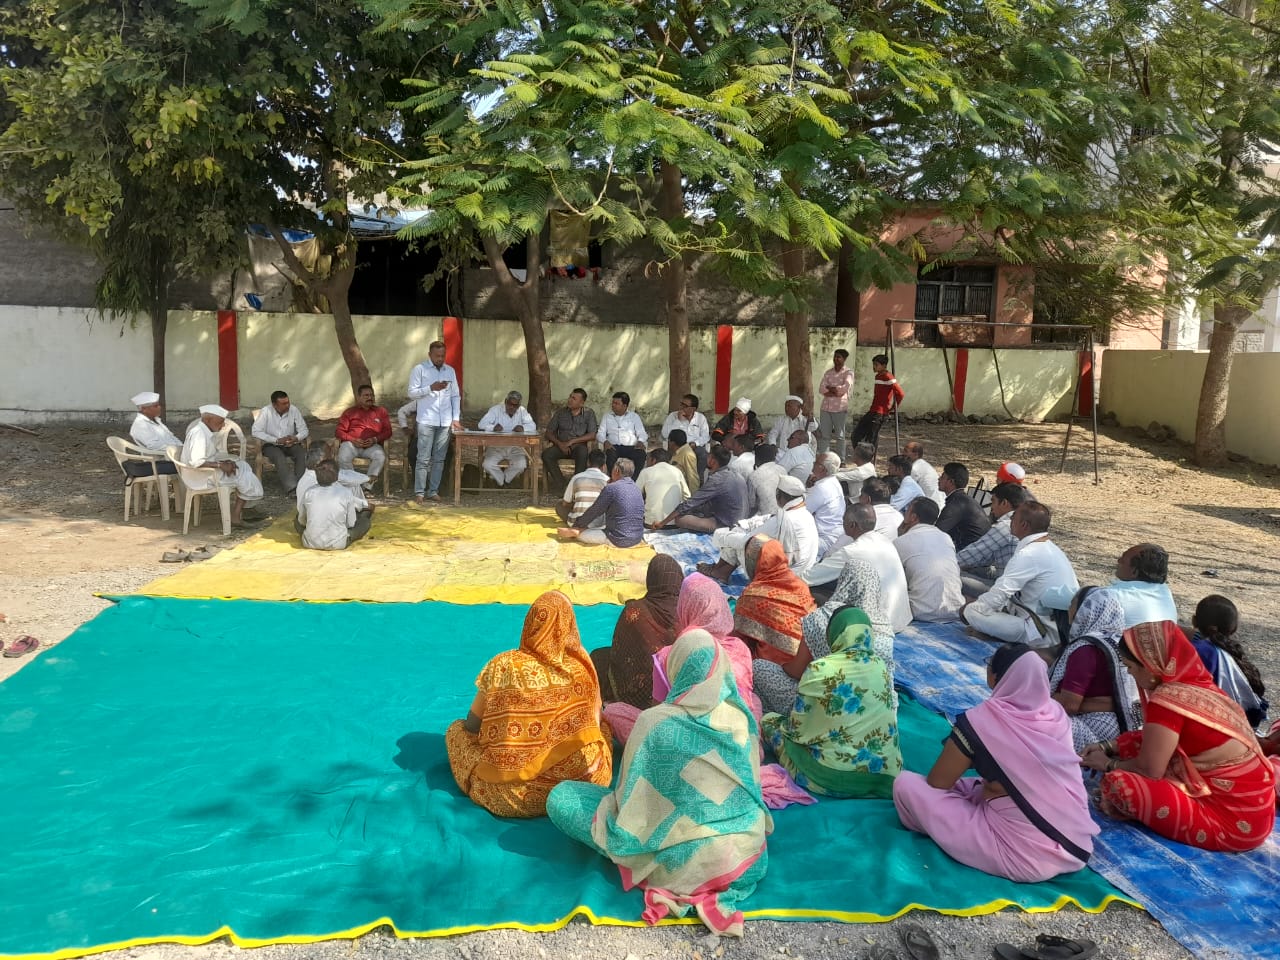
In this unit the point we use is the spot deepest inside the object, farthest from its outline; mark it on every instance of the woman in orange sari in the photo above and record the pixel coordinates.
(1194, 773)
(535, 721)
(774, 603)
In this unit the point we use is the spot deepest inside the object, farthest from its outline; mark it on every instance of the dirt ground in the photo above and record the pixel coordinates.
(61, 526)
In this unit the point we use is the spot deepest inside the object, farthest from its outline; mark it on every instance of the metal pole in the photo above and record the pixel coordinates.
(1094, 383)
(893, 368)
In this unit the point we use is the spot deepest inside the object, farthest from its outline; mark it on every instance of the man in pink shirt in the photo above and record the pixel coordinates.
(836, 385)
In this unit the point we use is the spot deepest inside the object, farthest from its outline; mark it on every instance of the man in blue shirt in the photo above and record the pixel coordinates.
(622, 506)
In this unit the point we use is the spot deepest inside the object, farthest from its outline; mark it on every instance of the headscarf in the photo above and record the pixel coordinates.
(844, 718)
(1021, 738)
(1099, 623)
(645, 626)
(696, 753)
(774, 602)
(1187, 689)
(702, 606)
(542, 701)
(858, 586)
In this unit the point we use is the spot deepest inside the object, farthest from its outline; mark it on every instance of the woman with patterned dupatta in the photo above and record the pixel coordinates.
(1195, 772)
(686, 823)
(1026, 815)
(535, 720)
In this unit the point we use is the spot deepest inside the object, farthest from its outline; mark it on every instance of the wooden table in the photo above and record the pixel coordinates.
(531, 442)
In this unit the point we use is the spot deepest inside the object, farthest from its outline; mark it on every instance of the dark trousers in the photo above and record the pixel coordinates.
(551, 458)
(868, 429)
(290, 463)
(637, 455)
(136, 468)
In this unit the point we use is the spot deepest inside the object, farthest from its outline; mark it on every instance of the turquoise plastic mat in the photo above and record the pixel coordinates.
(179, 770)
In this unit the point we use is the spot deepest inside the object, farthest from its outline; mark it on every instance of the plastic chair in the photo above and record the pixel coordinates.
(255, 446)
(196, 480)
(126, 452)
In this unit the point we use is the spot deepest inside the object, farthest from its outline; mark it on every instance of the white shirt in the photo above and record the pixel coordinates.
(888, 520)
(498, 417)
(933, 576)
(878, 551)
(151, 434)
(663, 487)
(762, 486)
(592, 482)
(269, 426)
(403, 413)
(436, 408)
(328, 513)
(908, 490)
(353, 480)
(855, 475)
(799, 536)
(825, 500)
(622, 431)
(924, 474)
(200, 446)
(1037, 565)
(744, 464)
(696, 428)
(785, 426)
(797, 461)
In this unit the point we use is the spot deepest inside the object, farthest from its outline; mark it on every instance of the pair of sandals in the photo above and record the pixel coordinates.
(21, 647)
(182, 556)
(1048, 947)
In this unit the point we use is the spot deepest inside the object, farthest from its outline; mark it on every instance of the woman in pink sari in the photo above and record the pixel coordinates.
(701, 606)
(1026, 816)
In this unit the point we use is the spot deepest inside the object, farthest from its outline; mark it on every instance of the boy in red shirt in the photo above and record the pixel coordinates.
(884, 397)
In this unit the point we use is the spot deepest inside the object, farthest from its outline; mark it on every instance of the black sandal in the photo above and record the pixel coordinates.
(1048, 947)
(917, 942)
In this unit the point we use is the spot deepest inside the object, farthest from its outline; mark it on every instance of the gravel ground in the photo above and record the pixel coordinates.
(60, 516)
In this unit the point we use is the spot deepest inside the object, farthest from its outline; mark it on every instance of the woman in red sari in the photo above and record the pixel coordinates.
(1194, 773)
(774, 603)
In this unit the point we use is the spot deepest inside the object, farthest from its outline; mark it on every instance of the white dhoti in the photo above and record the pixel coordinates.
(248, 486)
(731, 541)
(516, 463)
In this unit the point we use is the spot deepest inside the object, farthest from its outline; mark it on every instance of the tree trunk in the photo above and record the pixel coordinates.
(675, 289)
(799, 368)
(1211, 415)
(848, 301)
(159, 329)
(525, 301)
(336, 290)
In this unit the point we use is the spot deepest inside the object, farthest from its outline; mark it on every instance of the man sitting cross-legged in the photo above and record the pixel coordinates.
(721, 501)
(621, 506)
(662, 485)
(328, 514)
(790, 524)
(583, 488)
(876, 494)
(929, 561)
(982, 561)
(862, 542)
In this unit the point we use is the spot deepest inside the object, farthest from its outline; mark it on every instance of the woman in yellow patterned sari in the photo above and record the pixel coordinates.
(535, 720)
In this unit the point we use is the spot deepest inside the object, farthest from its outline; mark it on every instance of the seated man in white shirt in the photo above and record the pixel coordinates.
(693, 422)
(1012, 611)
(353, 480)
(507, 417)
(743, 448)
(328, 514)
(908, 489)
(923, 473)
(861, 541)
(622, 433)
(792, 419)
(762, 485)
(282, 431)
(150, 433)
(983, 561)
(583, 489)
(791, 525)
(929, 561)
(797, 458)
(1140, 586)
(864, 468)
(825, 498)
(200, 449)
(875, 494)
(662, 485)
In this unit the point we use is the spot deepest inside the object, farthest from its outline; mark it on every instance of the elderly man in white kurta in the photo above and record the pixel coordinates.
(797, 458)
(149, 432)
(790, 524)
(792, 419)
(825, 499)
(507, 417)
(200, 449)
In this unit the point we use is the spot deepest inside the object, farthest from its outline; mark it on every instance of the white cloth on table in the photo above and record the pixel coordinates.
(878, 551)
(825, 500)
(327, 514)
(622, 431)
(697, 430)
(270, 426)
(933, 576)
(664, 488)
(151, 434)
(200, 447)
(1037, 565)
(516, 458)
(888, 520)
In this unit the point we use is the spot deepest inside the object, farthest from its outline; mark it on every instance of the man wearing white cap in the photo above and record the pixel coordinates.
(149, 432)
(834, 388)
(792, 419)
(790, 524)
(200, 449)
(736, 422)
(506, 417)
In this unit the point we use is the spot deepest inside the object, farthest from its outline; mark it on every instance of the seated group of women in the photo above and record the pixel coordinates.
(695, 692)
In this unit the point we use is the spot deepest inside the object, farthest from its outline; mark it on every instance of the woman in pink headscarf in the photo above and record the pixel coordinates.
(1026, 815)
(701, 606)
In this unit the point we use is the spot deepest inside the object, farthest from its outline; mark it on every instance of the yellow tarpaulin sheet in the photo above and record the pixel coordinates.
(485, 555)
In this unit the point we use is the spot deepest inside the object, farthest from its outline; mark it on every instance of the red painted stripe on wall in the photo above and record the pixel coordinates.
(453, 346)
(962, 374)
(1086, 383)
(724, 367)
(228, 361)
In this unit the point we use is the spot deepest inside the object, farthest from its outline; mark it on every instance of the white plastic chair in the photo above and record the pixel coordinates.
(197, 481)
(126, 452)
(255, 446)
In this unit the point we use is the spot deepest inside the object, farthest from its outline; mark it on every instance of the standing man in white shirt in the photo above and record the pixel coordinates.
(1012, 611)
(793, 418)
(200, 449)
(328, 513)
(825, 499)
(150, 433)
(662, 485)
(622, 433)
(923, 473)
(862, 542)
(797, 458)
(434, 384)
(507, 417)
(834, 388)
(929, 561)
(693, 422)
(282, 430)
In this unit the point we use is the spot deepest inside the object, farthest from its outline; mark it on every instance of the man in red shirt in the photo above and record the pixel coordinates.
(884, 397)
(362, 430)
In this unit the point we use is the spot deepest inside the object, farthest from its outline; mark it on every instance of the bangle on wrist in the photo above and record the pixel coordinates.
(1111, 765)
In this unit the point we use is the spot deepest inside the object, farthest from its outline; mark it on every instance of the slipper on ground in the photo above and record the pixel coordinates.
(917, 942)
(22, 646)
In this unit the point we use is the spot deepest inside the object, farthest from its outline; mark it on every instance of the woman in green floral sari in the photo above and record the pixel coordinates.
(841, 739)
